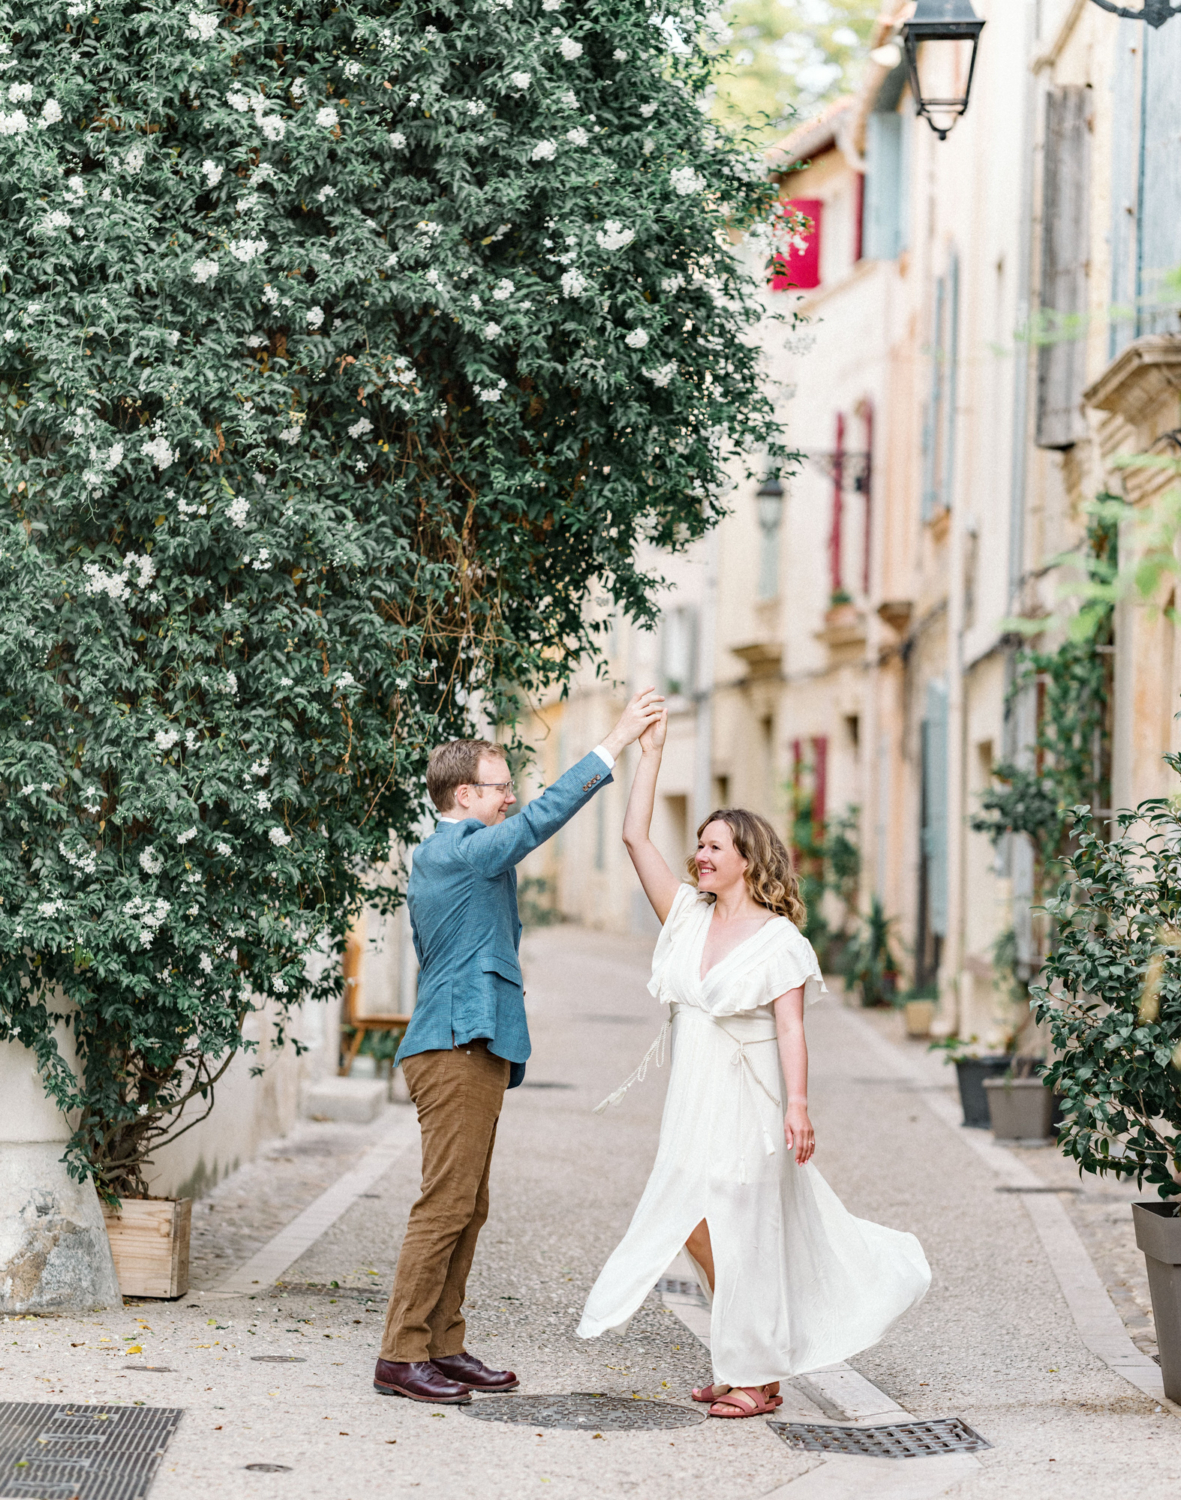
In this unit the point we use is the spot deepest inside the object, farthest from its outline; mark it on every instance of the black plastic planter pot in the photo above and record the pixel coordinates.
(1021, 1110)
(1158, 1234)
(971, 1072)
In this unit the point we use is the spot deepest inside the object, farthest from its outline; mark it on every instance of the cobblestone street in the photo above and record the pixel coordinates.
(993, 1343)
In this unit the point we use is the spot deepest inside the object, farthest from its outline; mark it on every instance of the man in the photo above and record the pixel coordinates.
(468, 1040)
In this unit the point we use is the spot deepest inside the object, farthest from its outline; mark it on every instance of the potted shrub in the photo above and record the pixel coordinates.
(919, 1006)
(328, 461)
(1021, 1109)
(974, 1064)
(869, 962)
(1110, 995)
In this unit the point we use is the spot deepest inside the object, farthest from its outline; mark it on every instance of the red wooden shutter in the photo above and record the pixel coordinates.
(800, 269)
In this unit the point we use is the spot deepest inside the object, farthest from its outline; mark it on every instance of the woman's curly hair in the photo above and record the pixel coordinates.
(770, 877)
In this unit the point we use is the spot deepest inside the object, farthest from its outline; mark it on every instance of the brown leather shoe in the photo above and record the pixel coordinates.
(474, 1372)
(421, 1381)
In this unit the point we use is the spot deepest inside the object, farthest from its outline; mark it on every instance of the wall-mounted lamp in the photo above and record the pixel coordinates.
(948, 31)
(769, 500)
(1155, 12)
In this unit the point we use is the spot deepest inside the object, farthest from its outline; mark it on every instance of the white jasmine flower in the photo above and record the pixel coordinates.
(286, 682)
(685, 181)
(520, 80)
(206, 963)
(662, 375)
(76, 186)
(202, 26)
(476, 107)
(352, 69)
(636, 339)
(270, 294)
(578, 136)
(134, 160)
(213, 173)
(569, 48)
(231, 684)
(204, 270)
(613, 236)
(346, 680)
(51, 113)
(92, 799)
(236, 99)
(105, 195)
(619, 55)
(9, 335)
(274, 128)
(544, 151)
(150, 861)
(49, 908)
(246, 250)
(279, 837)
(20, 93)
(260, 768)
(263, 799)
(361, 426)
(503, 290)
(475, 301)
(298, 87)
(290, 434)
(326, 117)
(159, 452)
(55, 220)
(327, 191)
(278, 985)
(672, 283)
(491, 331)
(238, 511)
(491, 392)
(14, 124)
(114, 456)
(224, 849)
(187, 836)
(397, 140)
(430, 227)
(315, 316)
(191, 734)
(569, 99)
(648, 110)
(255, 341)
(551, 4)
(573, 283)
(165, 739)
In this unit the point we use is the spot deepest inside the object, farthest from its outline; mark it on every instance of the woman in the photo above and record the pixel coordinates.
(795, 1281)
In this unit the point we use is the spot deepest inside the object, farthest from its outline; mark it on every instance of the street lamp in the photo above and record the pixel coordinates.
(769, 503)
(948, 32)
(1155, 12)
(769, 499)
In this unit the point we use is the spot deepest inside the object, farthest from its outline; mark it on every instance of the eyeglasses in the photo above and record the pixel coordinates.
(500, 786)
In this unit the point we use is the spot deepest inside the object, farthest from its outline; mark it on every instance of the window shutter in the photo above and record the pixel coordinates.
(800, 269)
(1065, 224)
(884, 187)
(1160, 247)
(935, 805)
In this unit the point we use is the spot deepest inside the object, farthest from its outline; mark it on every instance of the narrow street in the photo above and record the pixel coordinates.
(994, 1342)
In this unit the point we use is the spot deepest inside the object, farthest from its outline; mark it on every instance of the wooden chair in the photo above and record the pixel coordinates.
(351, 1019)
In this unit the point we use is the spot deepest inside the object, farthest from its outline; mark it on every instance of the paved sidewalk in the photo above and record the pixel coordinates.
(993, 1342)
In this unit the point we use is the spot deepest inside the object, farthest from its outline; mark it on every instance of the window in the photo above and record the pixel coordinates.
(884, 232)
(678, 652)
(1061, 356)
(800, 269)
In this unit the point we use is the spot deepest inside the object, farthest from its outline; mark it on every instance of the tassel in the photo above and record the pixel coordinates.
(655, 1051)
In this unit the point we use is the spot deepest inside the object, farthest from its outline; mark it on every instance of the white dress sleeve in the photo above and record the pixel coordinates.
(787, 961)
(679, 914)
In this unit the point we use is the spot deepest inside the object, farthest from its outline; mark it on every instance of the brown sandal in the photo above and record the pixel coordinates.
(748, 1401)
(710, 1393)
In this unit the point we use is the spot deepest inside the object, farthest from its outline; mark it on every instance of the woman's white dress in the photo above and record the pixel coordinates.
(800, 1282)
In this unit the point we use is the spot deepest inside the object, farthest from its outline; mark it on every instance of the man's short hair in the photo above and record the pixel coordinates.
(456, 764)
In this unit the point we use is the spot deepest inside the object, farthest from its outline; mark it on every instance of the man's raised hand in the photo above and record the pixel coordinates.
(644, 709)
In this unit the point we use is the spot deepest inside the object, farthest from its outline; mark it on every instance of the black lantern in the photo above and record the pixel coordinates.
(769, 499)
(948, 31)
(1155, 12)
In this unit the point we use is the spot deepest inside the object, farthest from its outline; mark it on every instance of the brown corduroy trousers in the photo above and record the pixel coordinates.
(458, 1094)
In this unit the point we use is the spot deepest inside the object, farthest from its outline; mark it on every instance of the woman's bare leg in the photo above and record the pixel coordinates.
(699, 1247)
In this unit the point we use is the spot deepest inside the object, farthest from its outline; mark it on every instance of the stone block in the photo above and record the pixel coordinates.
(356, 1100)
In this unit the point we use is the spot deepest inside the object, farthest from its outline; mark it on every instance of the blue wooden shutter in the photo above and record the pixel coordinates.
(885, 188)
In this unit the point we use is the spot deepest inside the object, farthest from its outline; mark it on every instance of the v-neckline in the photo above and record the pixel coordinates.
(705, 926)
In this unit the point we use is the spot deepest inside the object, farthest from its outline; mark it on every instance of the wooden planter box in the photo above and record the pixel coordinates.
(150, 1243)
(1021, 1110)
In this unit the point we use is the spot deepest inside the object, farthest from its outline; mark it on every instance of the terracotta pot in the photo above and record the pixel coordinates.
(1158, 1234)
(150, 1243)
(1021, 1110)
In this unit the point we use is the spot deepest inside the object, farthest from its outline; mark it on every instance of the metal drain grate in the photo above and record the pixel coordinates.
(903, 1440)
(277, 1359)
(679, 1287)
(81, 1452)
(583, 1411)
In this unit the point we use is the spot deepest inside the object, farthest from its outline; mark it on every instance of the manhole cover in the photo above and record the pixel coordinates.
(81, 1452)
(583, 1411)
(268, 1468)
(903, 1440)
(277, 1359)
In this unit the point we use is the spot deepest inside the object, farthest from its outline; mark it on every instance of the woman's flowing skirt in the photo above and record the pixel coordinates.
(800, 1282)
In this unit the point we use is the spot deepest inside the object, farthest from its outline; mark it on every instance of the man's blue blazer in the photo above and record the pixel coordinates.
(463, 915)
